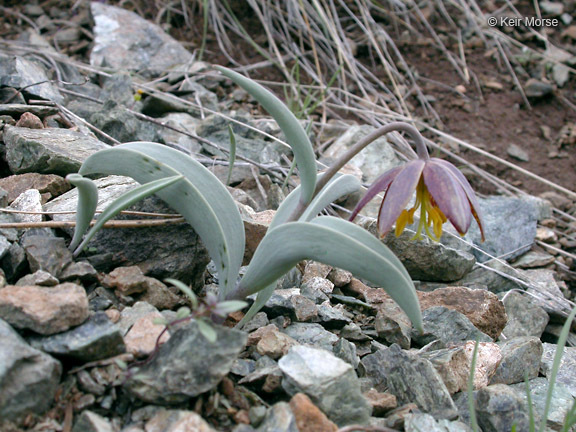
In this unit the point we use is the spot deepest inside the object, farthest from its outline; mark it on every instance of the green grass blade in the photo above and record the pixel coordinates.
(86, 209)
(125, 201)
(555, 366)
(232, 155)
(295, 135)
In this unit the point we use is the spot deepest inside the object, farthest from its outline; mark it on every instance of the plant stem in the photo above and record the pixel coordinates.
(421, 151)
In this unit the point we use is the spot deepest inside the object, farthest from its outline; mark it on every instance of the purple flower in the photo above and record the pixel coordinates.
(442, 193)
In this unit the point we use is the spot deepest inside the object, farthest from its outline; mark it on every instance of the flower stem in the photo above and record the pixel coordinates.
(421, 151)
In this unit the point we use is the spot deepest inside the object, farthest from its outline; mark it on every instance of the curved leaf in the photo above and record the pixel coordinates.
(295, 134)
(336, 188)
(200, 198)
(86, 208)
(125, 201)
(261, 299)
(338, 243)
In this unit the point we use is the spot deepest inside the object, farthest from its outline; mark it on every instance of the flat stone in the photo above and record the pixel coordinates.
(169, 251)
(177, 421)
(28, 201)
(481, 307)
(453, 366)
(96, 339)
(280, 418)
(81, 270)
(525, 316)
(125, 41)
(187, 365)
(311, 334)
(131, 314)
(48, 151)
(29, 378)
(426, 259)
(392, 324)
(50, 184)
(425, 422)
(142, 337)
(496, 276)
(18, 72)
(488, 358)
(331, 384)
(47, 253)
(509, 226)
(39, 278)
(411, 379)
(566, 371)
(499, 408)
(45, 310)
(538, 89)
(518, 153)
(447, 325)
(560, 404)
(185, 122)
(275, 344)
(89, 421)
(547, 290)
(381, 403)
(308, 417)
(520, 360)
(127, 280)
(332, 317)
(534, 259)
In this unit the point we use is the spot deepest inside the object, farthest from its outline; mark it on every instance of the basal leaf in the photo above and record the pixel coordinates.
(125, 201)
(261, 299)
(295, 134)
(338, 243)
(338, 187)
(86, 209)
(200, 198)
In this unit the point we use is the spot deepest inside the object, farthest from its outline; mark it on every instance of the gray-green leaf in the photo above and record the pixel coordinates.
(295, 134)
(86, 208)
(338, 243)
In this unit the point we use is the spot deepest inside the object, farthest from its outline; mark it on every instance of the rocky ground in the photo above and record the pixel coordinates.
(325, 352)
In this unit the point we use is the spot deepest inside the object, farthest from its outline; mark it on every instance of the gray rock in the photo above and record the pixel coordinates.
(312, 291)
(346, 350)
(393, 325)
(509, 226)
(125, 41)
(517, 152)
(546, 289)
(330, 383)
(116, 121)
(248, 143)
(184, 122)
(266, 371)
(520, 360)
(172, 251)
(279, 418)
(426, 259)
(411, 379)
(560, 403)
(28, 201)
(312, 335)
(82, 270)
(332, 317)
(14, 262)
(498, 277)
(499, 408)
(304, 308)
(447, 325)
(165, 420)
(28, 377)
(48, 151)
(425, 422)
(18, 72)
(47, 253)
(280, 302)
(96, 339)
(39, 277)
(552, 8)
(538, 89)
(453, 366)
(89, 421)
(187, 365)
(373, 161)
(4, 246)
(257, 321)
(567, 370)
(534, 259)
(243, 367)
(131, 314)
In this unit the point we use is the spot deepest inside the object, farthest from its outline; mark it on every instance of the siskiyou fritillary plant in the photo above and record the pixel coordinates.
(296, 233)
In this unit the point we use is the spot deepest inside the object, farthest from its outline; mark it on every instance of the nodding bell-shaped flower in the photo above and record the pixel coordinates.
(442, 193)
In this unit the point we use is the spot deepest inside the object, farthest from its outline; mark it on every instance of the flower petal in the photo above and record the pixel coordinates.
(399, 194)
(467, 190)
(448, 194)
(380, 184)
